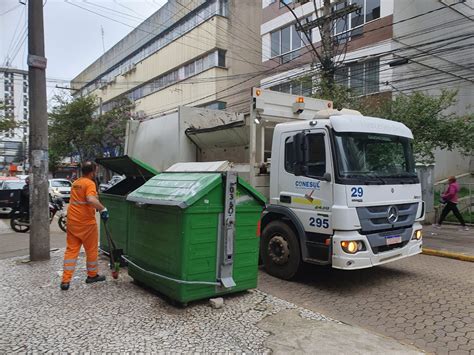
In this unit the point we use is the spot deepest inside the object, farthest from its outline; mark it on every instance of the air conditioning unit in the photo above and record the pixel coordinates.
(141, 114)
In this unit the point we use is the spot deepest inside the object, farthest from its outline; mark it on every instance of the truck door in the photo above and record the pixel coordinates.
(309, 195)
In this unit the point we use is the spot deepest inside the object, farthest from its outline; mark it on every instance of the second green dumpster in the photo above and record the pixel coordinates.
(136, 174)
(194, 235)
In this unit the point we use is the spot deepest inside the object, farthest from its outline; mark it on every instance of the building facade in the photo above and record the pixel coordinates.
(14, 105)
(198, 53)
(439, 46)
(387, 48)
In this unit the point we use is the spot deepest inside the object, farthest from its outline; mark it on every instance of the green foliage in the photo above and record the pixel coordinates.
(76, 129)
(432, 123)
(6, 123)
(429, 117)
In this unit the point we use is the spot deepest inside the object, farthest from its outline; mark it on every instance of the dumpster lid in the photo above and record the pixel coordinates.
(128, 166)
(181, 189)
(212, 166)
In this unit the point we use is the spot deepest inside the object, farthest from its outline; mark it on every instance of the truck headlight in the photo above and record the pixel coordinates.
(352, 246)
(417, 235)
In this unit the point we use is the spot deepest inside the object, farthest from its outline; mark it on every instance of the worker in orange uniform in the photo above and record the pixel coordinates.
(82, 226)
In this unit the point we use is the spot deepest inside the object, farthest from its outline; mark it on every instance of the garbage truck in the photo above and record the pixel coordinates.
(341, 187)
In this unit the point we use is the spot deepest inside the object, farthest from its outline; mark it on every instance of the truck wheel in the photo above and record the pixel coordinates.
(280, 250)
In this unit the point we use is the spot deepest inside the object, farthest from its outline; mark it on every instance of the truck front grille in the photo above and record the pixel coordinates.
(374, 218)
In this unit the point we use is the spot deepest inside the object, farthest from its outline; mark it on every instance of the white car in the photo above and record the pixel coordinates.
(60, 188)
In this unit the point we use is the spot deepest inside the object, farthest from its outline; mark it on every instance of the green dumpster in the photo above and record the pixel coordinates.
(136, 173)
(194, 235)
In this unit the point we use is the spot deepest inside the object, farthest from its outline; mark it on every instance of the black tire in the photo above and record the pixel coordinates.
(17, 227)
(280, 250)
(62, 223)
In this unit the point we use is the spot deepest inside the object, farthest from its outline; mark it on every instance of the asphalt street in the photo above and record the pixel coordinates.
(18, 244)
(426, 301)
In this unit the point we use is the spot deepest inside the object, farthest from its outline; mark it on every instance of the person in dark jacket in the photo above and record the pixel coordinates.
(25, 199)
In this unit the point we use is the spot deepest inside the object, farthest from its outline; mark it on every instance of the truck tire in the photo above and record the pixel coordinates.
(280, 250)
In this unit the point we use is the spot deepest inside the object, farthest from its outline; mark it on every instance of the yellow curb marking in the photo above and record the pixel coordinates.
(447, 254)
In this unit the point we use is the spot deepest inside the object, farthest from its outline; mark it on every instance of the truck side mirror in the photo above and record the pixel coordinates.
(327, 177)
(300, 153)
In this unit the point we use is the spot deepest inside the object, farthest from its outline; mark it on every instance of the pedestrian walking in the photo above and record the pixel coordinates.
(450, 198)
(82, 226)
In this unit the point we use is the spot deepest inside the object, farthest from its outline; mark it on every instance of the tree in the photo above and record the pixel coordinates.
(76, 129)
(5, 122)
(433, 124)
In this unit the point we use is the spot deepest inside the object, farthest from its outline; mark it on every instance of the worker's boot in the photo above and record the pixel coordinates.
(96, 278)
(64, 286)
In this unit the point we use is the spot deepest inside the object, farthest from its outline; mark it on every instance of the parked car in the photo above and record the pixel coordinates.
(9, 193)
(113, 181)
(60, 188)
(7, 178)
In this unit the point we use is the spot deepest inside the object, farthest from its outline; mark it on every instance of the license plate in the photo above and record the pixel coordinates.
(393, 239)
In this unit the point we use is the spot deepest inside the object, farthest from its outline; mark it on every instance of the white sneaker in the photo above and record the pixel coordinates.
(466, 228)
(437, 226)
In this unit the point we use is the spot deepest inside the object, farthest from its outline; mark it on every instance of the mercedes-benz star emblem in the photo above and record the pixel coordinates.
(392, 214)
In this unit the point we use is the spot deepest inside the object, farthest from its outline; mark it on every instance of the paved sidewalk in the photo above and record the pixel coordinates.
(449, 241)
(118, 316)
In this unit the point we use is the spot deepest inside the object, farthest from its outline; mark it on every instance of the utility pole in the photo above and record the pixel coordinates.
(324, 24)
(39, 203)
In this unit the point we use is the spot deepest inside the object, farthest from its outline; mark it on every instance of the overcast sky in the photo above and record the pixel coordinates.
(73, 36)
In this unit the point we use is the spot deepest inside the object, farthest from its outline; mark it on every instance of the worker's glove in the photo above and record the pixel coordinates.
(104, 215)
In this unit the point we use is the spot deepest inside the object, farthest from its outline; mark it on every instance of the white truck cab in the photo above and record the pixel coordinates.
(343, 192)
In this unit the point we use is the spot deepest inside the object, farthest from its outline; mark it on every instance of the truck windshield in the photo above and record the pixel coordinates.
(376, 158)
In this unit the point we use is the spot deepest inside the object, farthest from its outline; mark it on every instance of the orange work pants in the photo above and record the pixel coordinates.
(77, 235)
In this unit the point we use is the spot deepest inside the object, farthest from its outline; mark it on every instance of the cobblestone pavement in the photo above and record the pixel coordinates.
(118, 316)
(423, 300)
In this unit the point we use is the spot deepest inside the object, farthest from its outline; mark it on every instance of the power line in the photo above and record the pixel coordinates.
(14, 40)
(138, 28)
(235, 85)
(10, 10)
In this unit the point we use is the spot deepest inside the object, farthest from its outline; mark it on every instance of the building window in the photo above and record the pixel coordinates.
(283, 2)
(351, 25)
(194, 19)
(216, 105)
(287, 39)
(303, 87)
(362, 78)
(215, 58)
(221, 58)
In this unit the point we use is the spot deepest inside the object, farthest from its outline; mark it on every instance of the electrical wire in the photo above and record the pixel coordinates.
(229, 88)
(10, 10)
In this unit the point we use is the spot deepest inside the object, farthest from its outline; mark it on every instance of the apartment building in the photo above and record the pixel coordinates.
(362, 38)
(14, 105)
(438, 47)
(388, 47)
(203, 53)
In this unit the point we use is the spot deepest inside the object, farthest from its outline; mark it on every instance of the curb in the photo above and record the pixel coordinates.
(448, 254)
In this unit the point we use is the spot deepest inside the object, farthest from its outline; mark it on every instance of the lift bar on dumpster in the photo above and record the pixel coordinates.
(227, 232)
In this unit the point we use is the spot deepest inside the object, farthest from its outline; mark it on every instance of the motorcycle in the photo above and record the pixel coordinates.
(20, 220)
